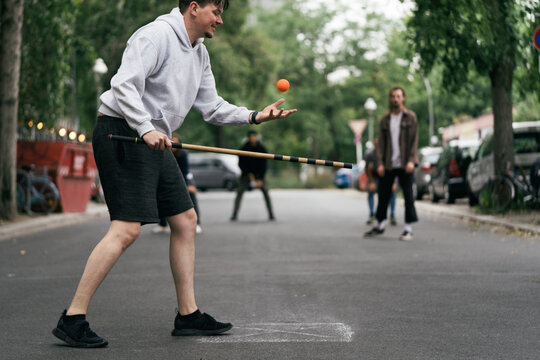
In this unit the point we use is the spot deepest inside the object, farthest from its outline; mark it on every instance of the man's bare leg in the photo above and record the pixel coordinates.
(182, 258)
(120, 236)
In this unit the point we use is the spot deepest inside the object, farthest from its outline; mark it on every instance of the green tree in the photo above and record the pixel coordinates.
(46, 59)
(475, 34)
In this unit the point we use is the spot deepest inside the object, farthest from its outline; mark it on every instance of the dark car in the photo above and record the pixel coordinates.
(214, 171)
(448, 180)
(526, 152)
(427, 157)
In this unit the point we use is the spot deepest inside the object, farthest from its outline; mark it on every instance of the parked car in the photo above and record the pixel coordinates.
(214, 171)
(342, 179)
(448, 180)
(345, 178)
(526, 151)
(427, 158)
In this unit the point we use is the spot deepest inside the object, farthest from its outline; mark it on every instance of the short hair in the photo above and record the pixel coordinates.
(184, 4)
(397, 88)
(252, 132)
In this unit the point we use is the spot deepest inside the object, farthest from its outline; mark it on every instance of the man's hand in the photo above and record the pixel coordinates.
(380, 170)
(271, 112)
(192, 189)
(409, 168)
(157, 140)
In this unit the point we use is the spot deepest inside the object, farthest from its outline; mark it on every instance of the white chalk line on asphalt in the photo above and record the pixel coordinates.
(285, 332)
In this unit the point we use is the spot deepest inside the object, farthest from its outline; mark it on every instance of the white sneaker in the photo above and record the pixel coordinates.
(199, 229)
(161, 230)
(406, 236)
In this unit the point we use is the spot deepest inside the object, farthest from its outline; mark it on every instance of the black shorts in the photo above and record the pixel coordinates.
(139, 184)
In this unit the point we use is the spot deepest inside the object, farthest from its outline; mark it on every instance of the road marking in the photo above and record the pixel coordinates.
(284, 332)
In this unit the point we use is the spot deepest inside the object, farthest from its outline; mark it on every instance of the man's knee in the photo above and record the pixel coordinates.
(125, 232)
(183, 221)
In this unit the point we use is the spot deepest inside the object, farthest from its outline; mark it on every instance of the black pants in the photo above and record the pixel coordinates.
(243, 185)
(385, 191)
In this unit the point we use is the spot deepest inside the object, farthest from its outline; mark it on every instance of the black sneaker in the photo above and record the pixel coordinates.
(76, 332)
(373, 232)
(198, 324)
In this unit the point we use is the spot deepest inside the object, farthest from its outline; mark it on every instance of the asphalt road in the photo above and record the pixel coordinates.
(307, 286)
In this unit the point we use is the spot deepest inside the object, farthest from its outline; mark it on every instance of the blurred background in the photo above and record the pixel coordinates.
(341, 58)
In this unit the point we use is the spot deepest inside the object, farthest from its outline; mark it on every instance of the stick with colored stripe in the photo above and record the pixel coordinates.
(302, 160)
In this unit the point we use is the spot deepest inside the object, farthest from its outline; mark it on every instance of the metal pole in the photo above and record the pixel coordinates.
(359, 155)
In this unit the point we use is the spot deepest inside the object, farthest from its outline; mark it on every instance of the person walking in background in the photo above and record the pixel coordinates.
(182, 158)
(372, 185)
(396, 157)
(253, 172)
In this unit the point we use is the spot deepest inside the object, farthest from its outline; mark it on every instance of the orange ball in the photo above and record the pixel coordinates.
(282, 85)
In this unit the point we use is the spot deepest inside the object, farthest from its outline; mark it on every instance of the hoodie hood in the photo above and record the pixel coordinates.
(175, 19)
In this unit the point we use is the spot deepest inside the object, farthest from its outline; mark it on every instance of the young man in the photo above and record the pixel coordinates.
(253, 171)
(165, 71)
(396, 157)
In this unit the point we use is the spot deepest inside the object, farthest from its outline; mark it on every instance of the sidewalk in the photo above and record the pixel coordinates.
(525, 222)
(25, 225)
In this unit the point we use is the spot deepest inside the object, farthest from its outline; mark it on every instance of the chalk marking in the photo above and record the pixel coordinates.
(284, 332)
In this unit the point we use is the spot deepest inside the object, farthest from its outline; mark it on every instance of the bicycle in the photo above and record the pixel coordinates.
(503, 190)
(35, 194)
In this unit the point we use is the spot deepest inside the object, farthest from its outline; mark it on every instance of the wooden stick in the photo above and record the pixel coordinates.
(288, 158)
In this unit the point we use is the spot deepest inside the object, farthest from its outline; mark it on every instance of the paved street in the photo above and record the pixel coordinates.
(307, 286)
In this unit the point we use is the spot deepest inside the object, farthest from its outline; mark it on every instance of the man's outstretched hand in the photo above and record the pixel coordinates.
(271, 112)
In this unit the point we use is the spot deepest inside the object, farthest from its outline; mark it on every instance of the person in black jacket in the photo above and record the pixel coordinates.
(253, 171)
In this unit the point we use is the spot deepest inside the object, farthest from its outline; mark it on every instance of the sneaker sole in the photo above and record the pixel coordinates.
(366, 235)
(74, 343)
(197, 332)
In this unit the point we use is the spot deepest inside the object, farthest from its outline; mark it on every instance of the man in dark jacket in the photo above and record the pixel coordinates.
(396, 157)
(253, 171)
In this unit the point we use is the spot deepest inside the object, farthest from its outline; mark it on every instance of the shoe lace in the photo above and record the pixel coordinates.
(208, 321)
(85, 330)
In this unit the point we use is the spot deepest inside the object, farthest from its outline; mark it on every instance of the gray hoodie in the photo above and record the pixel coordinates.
(162, 76)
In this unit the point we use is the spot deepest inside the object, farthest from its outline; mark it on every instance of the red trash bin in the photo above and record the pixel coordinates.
(71, 166)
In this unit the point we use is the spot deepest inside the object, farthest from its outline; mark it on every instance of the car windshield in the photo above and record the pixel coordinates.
(230, 161)
(526, 143)
(431, 158)
(469, 151)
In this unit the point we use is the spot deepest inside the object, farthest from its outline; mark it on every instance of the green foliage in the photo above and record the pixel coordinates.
(46, 59)
(463, 34)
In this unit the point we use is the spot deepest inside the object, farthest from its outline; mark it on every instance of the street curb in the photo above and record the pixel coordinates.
(483, 219)
(51, 221)
(466, 215)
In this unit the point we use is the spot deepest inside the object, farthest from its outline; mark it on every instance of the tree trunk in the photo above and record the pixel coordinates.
(503, 136)
(10, 64)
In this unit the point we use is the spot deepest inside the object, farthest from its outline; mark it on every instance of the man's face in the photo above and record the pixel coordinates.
(253, 139)
(397, 100)
(208, 19)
